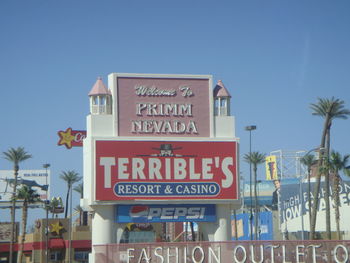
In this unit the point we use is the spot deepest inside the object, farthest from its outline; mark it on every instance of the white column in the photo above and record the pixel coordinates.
(221, 229)
(119, 232)
(103, 230)
(223, 232)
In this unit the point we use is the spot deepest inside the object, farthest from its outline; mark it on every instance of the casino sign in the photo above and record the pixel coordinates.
(174, 170)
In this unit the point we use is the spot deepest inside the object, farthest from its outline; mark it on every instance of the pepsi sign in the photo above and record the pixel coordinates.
(165, 213)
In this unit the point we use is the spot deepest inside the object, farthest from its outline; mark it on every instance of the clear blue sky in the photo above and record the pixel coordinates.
(275, 58)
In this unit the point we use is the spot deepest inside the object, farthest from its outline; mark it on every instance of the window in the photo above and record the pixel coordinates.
(56, 256)
(138, 237)
(103, 100)
(81, 256)
(223, 102)
(216, 106)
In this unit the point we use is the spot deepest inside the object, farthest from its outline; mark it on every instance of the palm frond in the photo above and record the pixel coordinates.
(332, 107)
(16, 155)
(255, 157)
(70, 177)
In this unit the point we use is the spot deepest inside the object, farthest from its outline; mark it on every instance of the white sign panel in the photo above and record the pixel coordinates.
(39, 180)
(294, 207)
(5, 232)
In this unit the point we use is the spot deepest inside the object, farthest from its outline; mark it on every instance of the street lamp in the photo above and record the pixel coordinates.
(46, 166)
(250, 129)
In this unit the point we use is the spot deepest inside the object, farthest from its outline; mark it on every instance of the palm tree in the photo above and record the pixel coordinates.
(255, 158)
(16, 156)
(54, 205)
(337, 163)
(70, 177)
(29, 196)
(80, 189)
(308, 160)
(329, 109)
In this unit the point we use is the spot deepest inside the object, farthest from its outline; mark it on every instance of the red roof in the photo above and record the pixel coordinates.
(99, 88)
(220, 90)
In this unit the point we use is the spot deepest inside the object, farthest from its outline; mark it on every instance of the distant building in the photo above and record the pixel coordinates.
(58, 242)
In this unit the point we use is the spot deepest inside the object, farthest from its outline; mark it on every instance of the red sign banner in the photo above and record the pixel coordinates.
(71, 138)
(158, 170)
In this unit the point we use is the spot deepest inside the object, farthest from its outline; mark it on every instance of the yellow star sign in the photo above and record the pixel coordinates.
(56, 227)
(66, 138)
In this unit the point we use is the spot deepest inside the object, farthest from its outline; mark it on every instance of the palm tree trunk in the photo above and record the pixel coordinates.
(235, 225)
(24, 226)
(13, 213)
(309, 195)
(327, 195)
(337, 203)
(318, 180)
(67, 198)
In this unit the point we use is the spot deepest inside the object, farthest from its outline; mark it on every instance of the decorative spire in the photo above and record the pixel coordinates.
(100, 99)
(220, 90)
(99, 88)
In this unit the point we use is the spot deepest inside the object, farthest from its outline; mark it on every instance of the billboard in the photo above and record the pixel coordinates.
(39, 180)
(162, 106)
(271, 167)
(165, 213)
(5, 231)
(159, 170)
(242, 224)
(294, 207)
(265, 189)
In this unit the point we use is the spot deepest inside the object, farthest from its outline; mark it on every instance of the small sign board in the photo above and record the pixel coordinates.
(165, 213)
(5, 231)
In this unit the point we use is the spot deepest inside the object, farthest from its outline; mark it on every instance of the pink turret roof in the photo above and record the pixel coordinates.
(220, 90)
(99, 88)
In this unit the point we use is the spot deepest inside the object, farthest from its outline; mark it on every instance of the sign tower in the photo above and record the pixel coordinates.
(160, 148)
